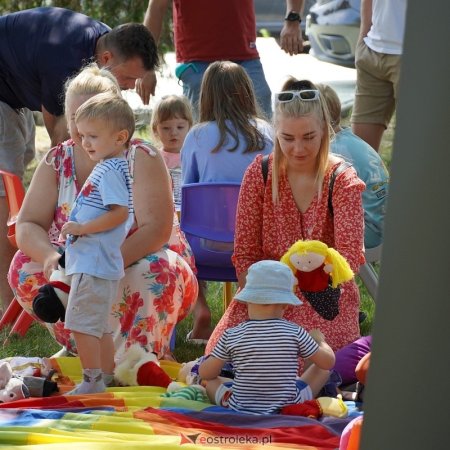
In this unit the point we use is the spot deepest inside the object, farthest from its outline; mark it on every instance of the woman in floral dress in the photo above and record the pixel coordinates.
(159, 287)
(292, 204)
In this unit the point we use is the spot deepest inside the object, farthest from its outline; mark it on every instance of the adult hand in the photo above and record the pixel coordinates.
(56, 127)
(291, 39)
(51, 264)
(146, 85)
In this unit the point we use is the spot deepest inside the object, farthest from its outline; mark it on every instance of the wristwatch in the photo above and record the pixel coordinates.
(293, 17)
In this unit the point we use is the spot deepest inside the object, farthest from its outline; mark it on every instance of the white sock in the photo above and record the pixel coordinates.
(92, 383)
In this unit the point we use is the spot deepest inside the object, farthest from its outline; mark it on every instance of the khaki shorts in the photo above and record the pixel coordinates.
(377, 80)
(17, 148)
(89, 304)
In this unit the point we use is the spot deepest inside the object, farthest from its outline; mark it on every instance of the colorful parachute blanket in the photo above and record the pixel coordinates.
(140, 417)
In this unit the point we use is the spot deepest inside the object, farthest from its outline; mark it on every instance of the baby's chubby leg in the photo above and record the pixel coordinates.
(213, 386)
(316, 378)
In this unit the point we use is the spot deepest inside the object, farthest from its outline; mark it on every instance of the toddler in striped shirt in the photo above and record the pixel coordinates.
(264, 350)
(98, 225)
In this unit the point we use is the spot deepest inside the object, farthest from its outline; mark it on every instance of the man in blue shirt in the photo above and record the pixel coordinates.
(40, 49)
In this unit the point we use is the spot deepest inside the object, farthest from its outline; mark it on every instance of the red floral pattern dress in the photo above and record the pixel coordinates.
(266, 231)
(156, 292)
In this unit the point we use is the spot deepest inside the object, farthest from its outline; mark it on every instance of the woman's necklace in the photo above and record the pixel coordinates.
(307, 231)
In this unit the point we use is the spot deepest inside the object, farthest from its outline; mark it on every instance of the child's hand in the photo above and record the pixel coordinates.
(317, 335)
(73, 228)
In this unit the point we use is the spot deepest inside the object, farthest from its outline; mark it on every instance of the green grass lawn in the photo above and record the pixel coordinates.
(38, 341)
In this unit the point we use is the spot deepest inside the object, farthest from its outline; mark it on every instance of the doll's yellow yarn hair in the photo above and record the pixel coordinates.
(341, 272)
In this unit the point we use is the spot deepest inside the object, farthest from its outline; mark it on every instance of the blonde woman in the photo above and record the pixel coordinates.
(293, 204)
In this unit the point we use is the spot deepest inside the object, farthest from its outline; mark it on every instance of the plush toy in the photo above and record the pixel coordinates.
(51, 302)
(189, 371)
(194, 392)
(322, 406)
(13, 388)
(137, 367)
(319, 270)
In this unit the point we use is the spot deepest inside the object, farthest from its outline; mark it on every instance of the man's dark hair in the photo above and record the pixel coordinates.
(132, 40)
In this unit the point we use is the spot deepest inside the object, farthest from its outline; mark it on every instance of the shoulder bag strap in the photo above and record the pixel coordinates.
(339, 169)
(265, 167)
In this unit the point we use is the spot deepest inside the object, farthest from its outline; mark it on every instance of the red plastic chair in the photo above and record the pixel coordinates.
(208, 214)
(15, 194)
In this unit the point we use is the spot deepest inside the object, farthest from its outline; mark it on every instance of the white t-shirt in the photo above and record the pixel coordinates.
(388, 26)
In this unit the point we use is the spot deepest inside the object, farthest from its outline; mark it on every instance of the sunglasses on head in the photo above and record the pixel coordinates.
(306, 95)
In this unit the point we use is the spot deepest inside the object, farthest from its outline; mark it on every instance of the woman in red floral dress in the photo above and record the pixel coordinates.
(292, 204)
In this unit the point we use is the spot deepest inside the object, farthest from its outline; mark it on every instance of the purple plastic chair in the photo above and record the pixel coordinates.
(208, 214)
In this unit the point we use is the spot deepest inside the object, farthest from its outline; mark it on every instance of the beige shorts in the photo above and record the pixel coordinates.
(89, 304)
(17, 132)
(377, 80)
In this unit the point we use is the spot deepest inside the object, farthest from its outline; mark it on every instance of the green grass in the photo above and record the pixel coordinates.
(38, 341)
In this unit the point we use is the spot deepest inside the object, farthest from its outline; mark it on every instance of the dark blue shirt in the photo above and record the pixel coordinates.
(40, 49)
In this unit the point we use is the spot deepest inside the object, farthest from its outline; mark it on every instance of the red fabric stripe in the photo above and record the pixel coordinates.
(317, 436)
(60, 285)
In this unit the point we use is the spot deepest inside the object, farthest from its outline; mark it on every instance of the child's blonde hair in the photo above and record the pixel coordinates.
(111, 108)
(333, 103)
(341, 272)
(91, 80)
(171, 107)
(294, 109)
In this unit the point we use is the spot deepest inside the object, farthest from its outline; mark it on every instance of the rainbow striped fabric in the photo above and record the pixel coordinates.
(139, 417)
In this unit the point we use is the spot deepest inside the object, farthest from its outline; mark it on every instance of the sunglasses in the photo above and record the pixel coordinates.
(306, 95)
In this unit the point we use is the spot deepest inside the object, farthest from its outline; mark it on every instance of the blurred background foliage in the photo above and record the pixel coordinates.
(111, 12)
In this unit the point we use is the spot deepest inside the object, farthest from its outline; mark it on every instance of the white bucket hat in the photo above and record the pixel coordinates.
(268, 283)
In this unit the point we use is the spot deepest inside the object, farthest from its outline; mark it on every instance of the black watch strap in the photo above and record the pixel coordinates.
(293, 17)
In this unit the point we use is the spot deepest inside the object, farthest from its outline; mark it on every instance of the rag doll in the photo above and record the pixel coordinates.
(319, 270)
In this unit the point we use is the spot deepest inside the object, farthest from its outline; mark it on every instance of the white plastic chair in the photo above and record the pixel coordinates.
(367, 272)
